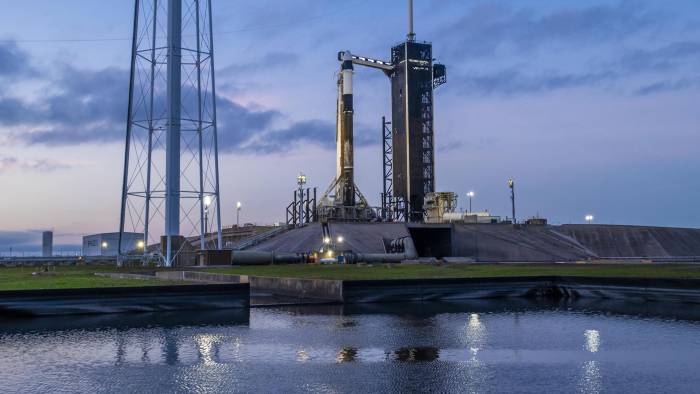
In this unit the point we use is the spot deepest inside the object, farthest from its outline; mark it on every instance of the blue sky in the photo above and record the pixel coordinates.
(592, 106)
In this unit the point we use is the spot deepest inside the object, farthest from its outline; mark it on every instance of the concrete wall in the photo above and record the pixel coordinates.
(123, 299)
(300, 289)
(627, 289)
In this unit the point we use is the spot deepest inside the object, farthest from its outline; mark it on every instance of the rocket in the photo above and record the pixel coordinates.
(345, 191)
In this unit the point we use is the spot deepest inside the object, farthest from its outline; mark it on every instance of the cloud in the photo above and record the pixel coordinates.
(13, 60)
(268, 61)
(88, 106)
(487, 28)
(317, 132)
(665, 58)
(8, 164)
(658, 62)
(512, 81)
(667, 86)
(19, 238)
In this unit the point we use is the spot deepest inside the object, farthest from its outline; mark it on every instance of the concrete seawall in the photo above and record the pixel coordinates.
(123, 299)
(554, 287)
(299, 289)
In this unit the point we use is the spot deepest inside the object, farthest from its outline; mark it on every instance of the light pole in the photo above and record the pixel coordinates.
(238, 214)
(589, 219)
(207, 202)
(470, 195)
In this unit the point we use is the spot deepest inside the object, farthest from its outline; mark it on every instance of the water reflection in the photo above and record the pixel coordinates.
(476, 334)
(416, 354)
(208, 346)
(346, 355)
(591, 380)
(302, 355)
(456, 348)
(592, 340)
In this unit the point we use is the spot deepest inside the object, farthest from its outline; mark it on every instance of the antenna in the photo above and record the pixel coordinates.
(411, 35)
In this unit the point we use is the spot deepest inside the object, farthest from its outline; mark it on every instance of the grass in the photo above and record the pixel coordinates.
(377, 272)
(69, 277)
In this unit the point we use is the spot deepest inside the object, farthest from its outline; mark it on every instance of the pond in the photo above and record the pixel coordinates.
(481, 346)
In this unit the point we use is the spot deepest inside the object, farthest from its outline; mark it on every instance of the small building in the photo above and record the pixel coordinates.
(481, 218)
(536, 221)
(107, 244)
(47, 244)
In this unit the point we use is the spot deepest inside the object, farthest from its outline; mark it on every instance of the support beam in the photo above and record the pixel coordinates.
(172, 149)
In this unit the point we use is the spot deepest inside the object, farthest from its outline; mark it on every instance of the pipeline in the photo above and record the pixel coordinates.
(247, 257)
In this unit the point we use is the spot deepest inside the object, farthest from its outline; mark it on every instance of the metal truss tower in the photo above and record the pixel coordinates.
(387, 168)
(171, 172)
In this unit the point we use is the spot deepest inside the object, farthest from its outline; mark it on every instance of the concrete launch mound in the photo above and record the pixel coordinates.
(500, 242)
(358, 237)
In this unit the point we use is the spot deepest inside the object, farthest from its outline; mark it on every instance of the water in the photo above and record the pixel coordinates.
(467, 347)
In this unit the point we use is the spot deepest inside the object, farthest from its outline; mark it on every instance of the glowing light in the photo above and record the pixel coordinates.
(589, 218)
(326, 240)
(340, 239)
(140, 244)
(592, 340)
(105, 244)
(301, 179)
(238, 205)
(471, 194)
(207, 201)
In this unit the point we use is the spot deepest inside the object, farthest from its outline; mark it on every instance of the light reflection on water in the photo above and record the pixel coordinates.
(453, 348)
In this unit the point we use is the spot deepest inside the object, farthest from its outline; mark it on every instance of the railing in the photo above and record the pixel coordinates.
(254, 240)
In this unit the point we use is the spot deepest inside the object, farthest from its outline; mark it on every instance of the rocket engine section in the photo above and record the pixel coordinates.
(344, 134)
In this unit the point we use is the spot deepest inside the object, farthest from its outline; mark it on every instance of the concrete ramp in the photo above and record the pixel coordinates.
(508, 243)
(358, 237)
(635, 241)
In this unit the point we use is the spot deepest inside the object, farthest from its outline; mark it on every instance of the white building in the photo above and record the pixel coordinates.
(107, 244)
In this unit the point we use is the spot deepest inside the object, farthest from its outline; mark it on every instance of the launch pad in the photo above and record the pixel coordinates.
(408, 140)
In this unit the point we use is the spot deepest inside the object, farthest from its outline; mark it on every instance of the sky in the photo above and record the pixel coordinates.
(591, 106)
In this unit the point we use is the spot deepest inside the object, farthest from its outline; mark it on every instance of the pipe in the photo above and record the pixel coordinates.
(247, 257)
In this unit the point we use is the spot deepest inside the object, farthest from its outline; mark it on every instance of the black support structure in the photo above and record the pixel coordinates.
(412, 84)
(387, 168)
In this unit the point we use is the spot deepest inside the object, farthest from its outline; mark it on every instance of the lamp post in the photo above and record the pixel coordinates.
(589, 218)
(470, 195)
(207, 202)
(238, 214)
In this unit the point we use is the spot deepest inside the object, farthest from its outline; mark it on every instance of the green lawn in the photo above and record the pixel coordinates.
(357, 272)
(73, 277)
(21, 278)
